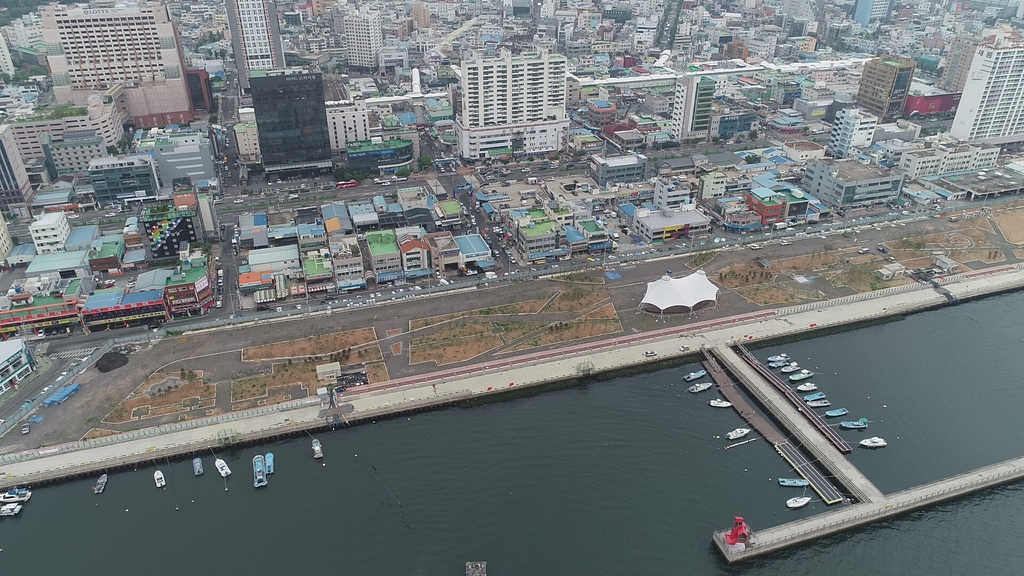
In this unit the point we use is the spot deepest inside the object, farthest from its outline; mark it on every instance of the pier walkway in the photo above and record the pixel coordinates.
(826, 455)
(773, 539)
(796, 400)
(822, 485)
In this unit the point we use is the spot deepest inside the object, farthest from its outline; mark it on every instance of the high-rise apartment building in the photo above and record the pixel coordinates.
(884, 86)
(853, 128)
(958, 64)
(363, 38)
(991, 108)
(292, 120)
(93, 48)
(6, 64)
(255, 37)
(421, 16)
(6, 244)
(512, 104)
(14, 184)
(868, 11)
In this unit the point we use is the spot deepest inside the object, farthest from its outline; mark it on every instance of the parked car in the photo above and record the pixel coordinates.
(650, 353)
(25, 428)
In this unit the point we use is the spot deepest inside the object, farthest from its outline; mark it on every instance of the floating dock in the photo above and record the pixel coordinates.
(792, 454)
(797, 401)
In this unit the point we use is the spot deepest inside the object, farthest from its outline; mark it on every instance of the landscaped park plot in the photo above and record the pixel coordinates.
(165, 393)
(455, 342)
(1011, 224)
(319, 345)
(513, 309)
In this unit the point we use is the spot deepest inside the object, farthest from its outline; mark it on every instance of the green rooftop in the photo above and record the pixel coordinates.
(592, 226)
(539, 228)
(382, 242)
(537, 214)
(368, 146)
(165, 212)
(191, 276)
(315, 267)
(54, 113)
(110, 248)
(451, 207)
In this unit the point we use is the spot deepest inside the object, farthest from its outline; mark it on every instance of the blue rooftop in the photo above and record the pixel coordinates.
(406, 118)
(260, 219)
(470, 244)
(144, 296)
(104, 298)
(573, 235)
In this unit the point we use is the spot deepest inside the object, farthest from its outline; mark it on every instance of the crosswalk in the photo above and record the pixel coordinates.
(77, 353)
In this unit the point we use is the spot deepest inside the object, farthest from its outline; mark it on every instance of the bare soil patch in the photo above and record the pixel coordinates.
(515, 329)
(579, 278)
(311, 346)
(396, 348)
(525, 307)
(575, 300)
(377, 372)
(606, 312)
(808, 262)
(743, 274)
(162, 393)
(569, 331)
(280, 374)
(701, 258)
(765, 294)
(1011, 225)
(454, 343)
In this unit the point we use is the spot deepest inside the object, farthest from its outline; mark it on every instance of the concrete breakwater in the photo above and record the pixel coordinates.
(489, 378)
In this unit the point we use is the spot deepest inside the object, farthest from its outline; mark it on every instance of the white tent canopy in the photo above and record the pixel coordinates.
(681, 294)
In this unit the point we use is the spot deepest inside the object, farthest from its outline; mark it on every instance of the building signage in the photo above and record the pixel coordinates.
(202, 283)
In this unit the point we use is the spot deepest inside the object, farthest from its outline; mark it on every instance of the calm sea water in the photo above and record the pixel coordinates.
(608, 478)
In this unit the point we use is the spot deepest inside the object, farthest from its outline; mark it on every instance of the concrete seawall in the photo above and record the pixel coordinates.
(489, 378)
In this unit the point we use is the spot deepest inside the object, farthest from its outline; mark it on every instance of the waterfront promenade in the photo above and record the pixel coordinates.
(625, 352)
(494, 377)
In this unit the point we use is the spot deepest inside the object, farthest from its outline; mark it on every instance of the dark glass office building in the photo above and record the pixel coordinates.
(292, 121)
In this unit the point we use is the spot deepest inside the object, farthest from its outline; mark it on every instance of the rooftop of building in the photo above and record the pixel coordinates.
(109, 246)
(804, 146)
(58, 261)
(315, 266)
(47, 219)
(272, 255)
(853, 171)
(370, 146)
(451, 207)
(382, 242)
(535, 228)
(56, 112)
(985, 181)
(620, 161)
(472, 244)
(189, 276)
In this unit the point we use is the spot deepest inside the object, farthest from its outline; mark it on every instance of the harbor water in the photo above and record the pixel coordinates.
(624, 475)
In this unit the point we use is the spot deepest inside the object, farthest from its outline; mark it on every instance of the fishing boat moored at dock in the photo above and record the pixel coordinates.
(259, 471)
(197, 466)
(101, 485)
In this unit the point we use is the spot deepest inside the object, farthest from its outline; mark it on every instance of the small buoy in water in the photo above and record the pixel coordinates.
(884, 406)
(125, 509)
(175, 508)
(325, 464)
(193, 501)
(409, 418)
(744, 469)
(225, 488)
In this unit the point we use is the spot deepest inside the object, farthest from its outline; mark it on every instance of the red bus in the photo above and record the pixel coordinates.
(346, 184)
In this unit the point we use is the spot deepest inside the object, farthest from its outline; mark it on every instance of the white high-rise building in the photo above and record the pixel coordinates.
(6, 65)
(255, 37)
(364, 38)
(97, 47)
(50, 231)
(25, 32)
(512, 104)
(347, 122)
(853, 128)
(991, 109)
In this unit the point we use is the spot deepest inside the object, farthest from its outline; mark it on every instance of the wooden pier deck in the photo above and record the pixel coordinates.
(792, 454)
(799, 429)
(771, 540)
(796, 400)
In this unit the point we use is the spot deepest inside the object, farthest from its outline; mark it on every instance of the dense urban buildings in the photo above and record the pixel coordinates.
(292, 120)
(92, 48)
(14, 184)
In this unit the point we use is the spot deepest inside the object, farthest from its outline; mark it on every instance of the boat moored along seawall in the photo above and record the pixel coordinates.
(197, 466)
(101, 485)
(270, 462)
(259, 471)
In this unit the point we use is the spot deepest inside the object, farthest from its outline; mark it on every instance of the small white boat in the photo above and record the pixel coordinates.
(700, 387)
(779, 357)
(11, 509)
(874, 442)
(197, 466)
(158, 477)
(738, 433)
(15, 495)
(101, 485)
(719, 403)
(222, 468)
(694, 375)
(800, 502)
(809, 387)
(793, 367)
(318, 451)
(819, 403)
